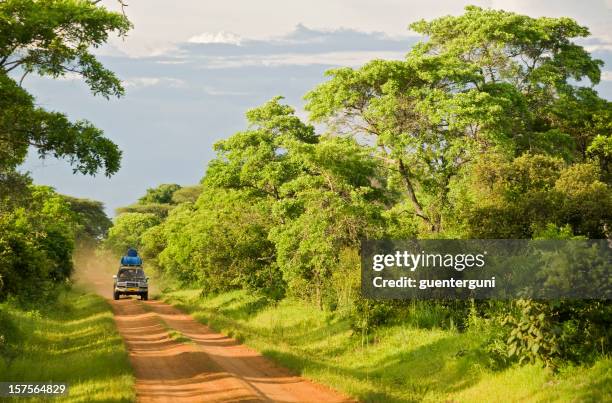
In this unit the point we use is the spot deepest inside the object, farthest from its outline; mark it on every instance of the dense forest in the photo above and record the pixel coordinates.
(490, 128)
(39, 227)
(41, 230)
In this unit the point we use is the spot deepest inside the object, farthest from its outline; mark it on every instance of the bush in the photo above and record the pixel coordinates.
(36, 246)
(127, 231)
(552, 332)
(9, 332)
(369, 315)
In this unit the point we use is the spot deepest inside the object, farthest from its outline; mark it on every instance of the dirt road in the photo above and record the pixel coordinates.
(177, 359)
(207, 367)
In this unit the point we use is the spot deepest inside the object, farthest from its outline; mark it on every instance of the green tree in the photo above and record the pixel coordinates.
(161, 194)
(186, 194)
(241, 186)
(37, 226)
(127, 230)
(54, 38)
(221, 242)
(158, 200)
(324, 211)
(257, 158)
(521, 197)
(486, 81)
(322, 193)
(91, 216)
(36, 245)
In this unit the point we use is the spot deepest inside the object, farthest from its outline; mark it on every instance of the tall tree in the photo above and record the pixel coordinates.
(93, 221)
(256, 159)
(38, 227)
(486, 81)
(161, 194)
(54, 38)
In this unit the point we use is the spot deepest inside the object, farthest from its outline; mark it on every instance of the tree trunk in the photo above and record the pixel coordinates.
(418, 208)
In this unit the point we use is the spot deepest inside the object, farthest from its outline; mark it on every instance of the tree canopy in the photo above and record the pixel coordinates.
(485, 81)
(39, 227)
(54, 38)
(490, 128)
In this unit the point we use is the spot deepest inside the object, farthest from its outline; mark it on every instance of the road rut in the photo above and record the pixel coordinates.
(210, 367)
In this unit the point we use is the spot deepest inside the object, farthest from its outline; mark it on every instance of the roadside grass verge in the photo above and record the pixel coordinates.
(401, 363)
(71, 340)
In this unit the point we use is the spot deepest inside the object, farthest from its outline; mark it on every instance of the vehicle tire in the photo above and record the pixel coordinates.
(116, 295)
(144, 296)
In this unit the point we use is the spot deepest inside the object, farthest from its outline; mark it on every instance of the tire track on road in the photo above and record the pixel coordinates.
(214, 368)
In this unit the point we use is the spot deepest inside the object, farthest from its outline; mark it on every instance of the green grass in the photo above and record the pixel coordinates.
(179, 337)
(402, 363)
(72, 340)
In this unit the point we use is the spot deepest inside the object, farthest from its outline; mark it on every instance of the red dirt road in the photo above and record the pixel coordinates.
(209, 368)
(202, 365)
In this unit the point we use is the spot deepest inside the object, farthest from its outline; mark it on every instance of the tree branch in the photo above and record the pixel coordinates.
(418, 208)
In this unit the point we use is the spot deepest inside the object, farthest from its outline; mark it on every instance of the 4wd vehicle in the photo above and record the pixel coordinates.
(131, 280)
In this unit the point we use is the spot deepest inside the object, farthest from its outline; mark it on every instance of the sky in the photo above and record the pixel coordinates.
(192, 68)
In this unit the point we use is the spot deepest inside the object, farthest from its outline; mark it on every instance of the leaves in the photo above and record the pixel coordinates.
(36, 244)
(487, 81)
(54, 38)
(127, 230)
(488, 129)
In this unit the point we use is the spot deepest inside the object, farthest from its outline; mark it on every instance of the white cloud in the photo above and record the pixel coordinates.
(139, 82)
(70, 76)
(217, 92)
(348, 58)
(171, 62)
(602, 45)
(158, 24)
(218, 37)
(143, 82)
(606, 75)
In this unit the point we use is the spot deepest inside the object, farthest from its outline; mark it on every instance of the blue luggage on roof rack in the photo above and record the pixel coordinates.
(131, 258)
(131, 261)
